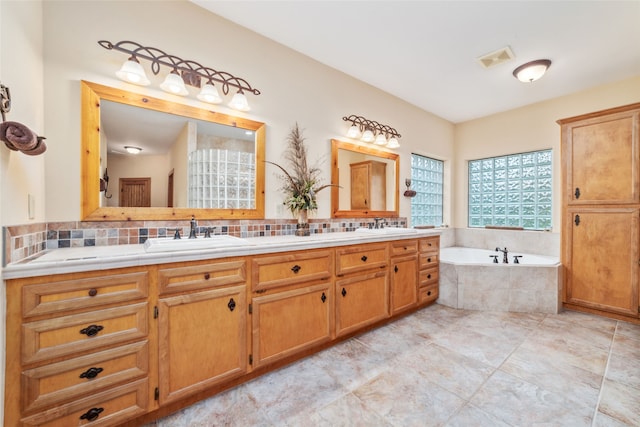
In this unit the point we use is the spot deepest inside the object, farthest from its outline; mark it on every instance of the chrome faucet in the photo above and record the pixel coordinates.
(505, 255)
(194, 227)
(380, 222)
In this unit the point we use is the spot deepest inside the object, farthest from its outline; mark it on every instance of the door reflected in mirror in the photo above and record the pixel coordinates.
(196, 162)
(368, 180)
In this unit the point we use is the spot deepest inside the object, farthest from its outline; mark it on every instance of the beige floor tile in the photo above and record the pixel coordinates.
(620, 402)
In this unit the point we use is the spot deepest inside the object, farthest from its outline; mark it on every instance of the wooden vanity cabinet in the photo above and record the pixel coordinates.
(403, 275)
(429, 270)
(292, 304)
(78, 348)
(362, 286)
(202, 326)
(601, 208)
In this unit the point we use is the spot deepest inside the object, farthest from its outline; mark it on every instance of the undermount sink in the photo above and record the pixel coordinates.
(213, 242)
(387, 230)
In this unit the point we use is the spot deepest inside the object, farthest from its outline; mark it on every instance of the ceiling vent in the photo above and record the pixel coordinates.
(496, 57)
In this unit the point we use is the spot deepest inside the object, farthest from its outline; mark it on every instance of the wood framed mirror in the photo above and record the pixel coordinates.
(368, 180)
(214, 168)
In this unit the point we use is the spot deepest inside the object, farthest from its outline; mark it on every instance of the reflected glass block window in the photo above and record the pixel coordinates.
(511, 191)
(426, 180)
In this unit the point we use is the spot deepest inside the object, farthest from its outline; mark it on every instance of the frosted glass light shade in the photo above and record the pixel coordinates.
(393, 143)
(367, 136)
(132, 72)
(532, 71)
(132, 150)
(174, 84)
(209, 94)
(353, 132)
(239, 102)
(380, 140)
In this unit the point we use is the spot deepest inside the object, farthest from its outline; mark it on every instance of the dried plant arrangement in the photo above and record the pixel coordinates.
(301, 182)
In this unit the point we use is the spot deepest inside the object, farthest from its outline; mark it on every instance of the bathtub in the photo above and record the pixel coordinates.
(470, 280)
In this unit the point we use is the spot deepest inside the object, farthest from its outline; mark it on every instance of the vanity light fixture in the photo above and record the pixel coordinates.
(132, 150)
(182, 72)
(532, 71)
(372, 131)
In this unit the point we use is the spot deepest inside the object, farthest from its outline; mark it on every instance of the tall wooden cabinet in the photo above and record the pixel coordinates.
(369, 185)
(601, 211)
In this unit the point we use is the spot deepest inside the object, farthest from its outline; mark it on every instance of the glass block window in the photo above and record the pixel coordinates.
(426, 180)
(512, 191)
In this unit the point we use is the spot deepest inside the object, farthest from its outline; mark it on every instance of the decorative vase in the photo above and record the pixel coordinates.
(302, 228)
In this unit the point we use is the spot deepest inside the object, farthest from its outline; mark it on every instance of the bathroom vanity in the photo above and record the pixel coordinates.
(126, 336)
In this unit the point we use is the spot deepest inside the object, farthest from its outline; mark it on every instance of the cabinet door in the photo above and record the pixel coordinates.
(286, 323)
(202, 340)
(404, 288)
(361, 300)
(360, 187)
(601, 156)
(602, 259)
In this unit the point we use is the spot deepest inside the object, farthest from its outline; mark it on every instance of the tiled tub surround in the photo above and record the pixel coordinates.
(23, 241)
(470, 280)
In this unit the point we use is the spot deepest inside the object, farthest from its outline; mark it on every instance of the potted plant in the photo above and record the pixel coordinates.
(301, 183)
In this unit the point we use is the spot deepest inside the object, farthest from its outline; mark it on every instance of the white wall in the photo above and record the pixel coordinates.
(294, 88)
(529, 128)
(21, 70)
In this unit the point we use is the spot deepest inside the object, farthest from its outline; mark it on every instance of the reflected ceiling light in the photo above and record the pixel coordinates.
(532, 71)
(239, 102)
(372, 131)
(132, 150)
(174, 84)
(133, 72)
(182, 72)
(209, 94)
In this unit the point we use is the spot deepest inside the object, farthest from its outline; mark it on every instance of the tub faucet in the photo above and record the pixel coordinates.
(505, 255)
(194, 226)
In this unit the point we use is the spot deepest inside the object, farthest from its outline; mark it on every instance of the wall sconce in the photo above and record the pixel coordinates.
(532, 71)
(409, 192)
(183, 72)
(371, 131)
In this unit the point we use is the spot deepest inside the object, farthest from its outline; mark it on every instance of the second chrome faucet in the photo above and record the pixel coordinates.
(505, 255)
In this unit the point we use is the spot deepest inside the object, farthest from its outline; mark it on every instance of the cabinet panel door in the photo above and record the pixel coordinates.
(602, 259)
(404, 286)
(361, 300)
(601, 155)
(289, 322)
(202, 340)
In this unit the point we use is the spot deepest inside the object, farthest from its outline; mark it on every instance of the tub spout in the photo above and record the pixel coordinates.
(505, 255)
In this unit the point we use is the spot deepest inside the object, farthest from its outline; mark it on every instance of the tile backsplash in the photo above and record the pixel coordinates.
(23, 241)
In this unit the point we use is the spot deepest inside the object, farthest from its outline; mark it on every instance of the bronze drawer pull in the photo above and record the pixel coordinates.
(395, 268)
(323, 297)
(429, 259)
(207, 276)
(92, 414)
(428, 276)
(93, 292)
(91, 373)
(364, 258)
(344, 292)
(91, 330)
(296, 268)
(231, 305)
(428, 293)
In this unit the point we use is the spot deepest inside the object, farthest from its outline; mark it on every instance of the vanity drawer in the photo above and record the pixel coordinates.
(429, 260)
(57, 296)
(62, 336)
(195, 277)
(428, 294)
(361, 257)
(110, 408)
(83, 376)
(429, 277)
(430, 245)
(404, 247)
(291, 268)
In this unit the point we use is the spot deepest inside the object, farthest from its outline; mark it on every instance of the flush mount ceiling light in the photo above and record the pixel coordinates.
(182, 72)
(531, 71)
(132, 150)
(371, 131)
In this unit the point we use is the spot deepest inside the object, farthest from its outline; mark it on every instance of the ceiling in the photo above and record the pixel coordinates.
(426, 52)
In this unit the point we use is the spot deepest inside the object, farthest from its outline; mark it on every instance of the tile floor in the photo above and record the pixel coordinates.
(446, 367)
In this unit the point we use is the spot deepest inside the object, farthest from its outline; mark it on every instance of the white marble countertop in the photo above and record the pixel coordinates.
(91, 258)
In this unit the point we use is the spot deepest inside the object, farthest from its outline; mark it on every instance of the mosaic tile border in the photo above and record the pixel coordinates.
(23, 241)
